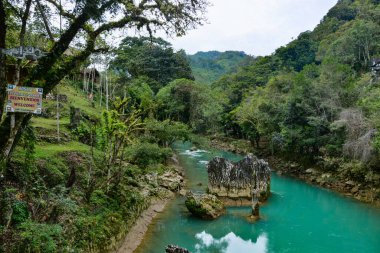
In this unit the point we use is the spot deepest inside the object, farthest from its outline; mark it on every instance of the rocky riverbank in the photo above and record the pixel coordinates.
(368, 192)
(337, 182)
(137, 233)
(169, 183)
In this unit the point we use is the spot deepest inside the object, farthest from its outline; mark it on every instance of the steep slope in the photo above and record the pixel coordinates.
(316, 100)
(209, 66)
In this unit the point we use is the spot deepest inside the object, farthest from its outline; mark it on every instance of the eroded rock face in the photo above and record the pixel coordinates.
(205, 206)
(248, 178)
(175, 249)
(171, 181)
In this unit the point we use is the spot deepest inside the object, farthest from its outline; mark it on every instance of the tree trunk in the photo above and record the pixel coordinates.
(3, 79)
(43, 72)
(11, 136)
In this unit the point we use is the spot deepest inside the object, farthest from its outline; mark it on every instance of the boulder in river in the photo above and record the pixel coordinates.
(175, 249)
(246, 179)
(205, 206)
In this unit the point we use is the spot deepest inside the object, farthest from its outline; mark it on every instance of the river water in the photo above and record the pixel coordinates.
(297, 218)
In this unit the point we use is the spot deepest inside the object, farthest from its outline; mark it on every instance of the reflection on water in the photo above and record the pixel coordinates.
(230, 244)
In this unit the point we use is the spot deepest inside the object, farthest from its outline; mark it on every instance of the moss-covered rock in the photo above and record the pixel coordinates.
(205, 206)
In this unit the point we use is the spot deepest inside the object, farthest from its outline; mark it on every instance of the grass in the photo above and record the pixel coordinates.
(46, 150)
(49, 123)
(79, 99)
(75, 98)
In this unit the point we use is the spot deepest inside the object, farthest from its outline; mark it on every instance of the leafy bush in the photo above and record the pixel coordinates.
(145, 154)
(20, 212)
(354, 169)
(83, 133)
(331, 163)
(165, 133)
(99, 198)
(40, 237)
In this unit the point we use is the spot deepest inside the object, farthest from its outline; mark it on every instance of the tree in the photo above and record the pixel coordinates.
(357, 45)
(191, 103)
(153, 58)
(142, 96)
(117, 131)
(299, 52)
(86, 22)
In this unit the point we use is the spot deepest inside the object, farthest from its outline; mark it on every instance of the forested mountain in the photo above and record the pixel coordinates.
(209, 66)
(315, 98)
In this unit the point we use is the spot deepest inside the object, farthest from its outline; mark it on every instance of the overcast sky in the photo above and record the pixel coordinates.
(257, 27)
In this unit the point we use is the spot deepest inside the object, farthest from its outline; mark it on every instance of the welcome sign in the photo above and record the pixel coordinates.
(24, 99)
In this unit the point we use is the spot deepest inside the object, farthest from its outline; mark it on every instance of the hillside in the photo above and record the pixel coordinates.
(209, 66)
(316, 100)
(68, 193)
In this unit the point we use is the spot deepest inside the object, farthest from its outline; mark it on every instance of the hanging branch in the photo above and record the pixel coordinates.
(45, 21)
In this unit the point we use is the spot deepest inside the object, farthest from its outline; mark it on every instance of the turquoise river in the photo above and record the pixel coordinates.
(297, 218)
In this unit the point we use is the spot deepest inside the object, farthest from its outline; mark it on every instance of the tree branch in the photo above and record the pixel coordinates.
(46, 64)
(45, 21)
(24, 20)
(16, 11)
(61, 10)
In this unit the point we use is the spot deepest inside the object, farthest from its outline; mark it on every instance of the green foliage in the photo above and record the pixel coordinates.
(145, 154)
(28, 142)
(343, 11)
(99, 198)
(377, 140)
(234, 86)
(153, 58)
(117, 131)
(20, 212)
(210, 66)
(299, 52)
(141, 95)
(166, 132)
(39, 237)
(354, 169)
(356, 44)
(191, 103)
(83, 133)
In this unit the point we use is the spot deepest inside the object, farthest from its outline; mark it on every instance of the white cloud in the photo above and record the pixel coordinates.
(257, 27)
(230, 244)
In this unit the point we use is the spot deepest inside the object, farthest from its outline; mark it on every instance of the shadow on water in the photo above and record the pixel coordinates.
(297, 218)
